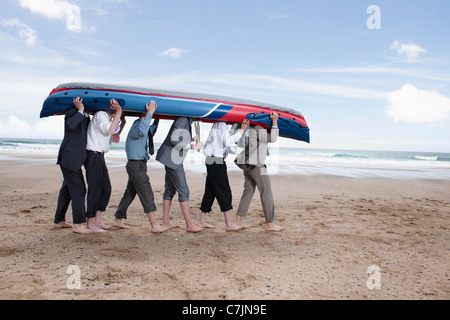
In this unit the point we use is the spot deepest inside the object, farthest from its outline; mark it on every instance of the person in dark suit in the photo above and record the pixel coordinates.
(71, 156)
(171, 154)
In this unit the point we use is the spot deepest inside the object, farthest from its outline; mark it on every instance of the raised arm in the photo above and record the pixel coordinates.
(114, 105)
(74, 118)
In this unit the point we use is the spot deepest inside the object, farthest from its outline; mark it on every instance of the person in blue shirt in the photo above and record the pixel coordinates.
(139, 147)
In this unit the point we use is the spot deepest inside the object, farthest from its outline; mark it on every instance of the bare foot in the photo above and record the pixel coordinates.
(104, 226)
(202, 221)
(239, 223)
(94, 228)
(119, 224)
(193, 228)
(98, 222)
(160, 229)
(62, 225)
(206, 225)
(270, 226)
(230, 226)
(97, 230)
(242, 226)
(169, 226)
(79, 228)
(234, 227)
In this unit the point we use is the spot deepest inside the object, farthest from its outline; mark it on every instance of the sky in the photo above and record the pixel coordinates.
(371, 75)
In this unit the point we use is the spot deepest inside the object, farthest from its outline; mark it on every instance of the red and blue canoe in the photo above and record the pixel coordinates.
(172, 104)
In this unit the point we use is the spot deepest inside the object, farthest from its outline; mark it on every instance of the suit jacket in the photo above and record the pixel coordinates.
(177, 143)
(72, 152)
(255, 150)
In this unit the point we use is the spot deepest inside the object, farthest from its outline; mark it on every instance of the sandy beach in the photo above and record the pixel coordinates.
(336, 228)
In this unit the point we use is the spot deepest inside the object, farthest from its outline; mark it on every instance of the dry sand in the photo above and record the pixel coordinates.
(336, 228)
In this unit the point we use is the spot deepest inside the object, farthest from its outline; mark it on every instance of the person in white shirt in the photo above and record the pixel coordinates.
(216, 149)
(101, 130)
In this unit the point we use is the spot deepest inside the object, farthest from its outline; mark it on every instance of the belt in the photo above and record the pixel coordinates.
(96, 152)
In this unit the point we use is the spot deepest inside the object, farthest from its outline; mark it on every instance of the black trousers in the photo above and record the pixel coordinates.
(138, 183)
(217, 186)
(73, 189)
(99, 185)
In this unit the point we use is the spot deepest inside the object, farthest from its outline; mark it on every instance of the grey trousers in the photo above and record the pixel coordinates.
(175, 181)
(138, 183)
(257, 177)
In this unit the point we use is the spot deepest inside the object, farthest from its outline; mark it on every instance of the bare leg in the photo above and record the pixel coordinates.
(190, 226)
(239, 222)
(79, 228)
(156, 227)
(229, 225)
(99, 223)
(202, 221)
(166, 214)
(93, 226)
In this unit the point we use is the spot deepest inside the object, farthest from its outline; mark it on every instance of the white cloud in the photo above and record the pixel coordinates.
(48, 128)
(410, 52)
(58, 9)
(413, 105)
(25, 32)
(14, 125)
(173, 52)
(51, 127)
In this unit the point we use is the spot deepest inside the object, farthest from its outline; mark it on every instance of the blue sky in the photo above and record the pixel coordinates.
(358, 88)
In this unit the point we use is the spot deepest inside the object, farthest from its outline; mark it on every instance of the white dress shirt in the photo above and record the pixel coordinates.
(99, 138)
(219, 141)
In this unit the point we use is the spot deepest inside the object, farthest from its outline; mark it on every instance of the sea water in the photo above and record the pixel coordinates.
(363, 163)
(303, 161)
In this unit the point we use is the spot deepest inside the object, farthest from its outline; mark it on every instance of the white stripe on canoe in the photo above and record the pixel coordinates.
(212, 110)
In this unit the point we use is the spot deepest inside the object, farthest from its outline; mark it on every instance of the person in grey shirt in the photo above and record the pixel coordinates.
(252, 162)
(139, 147)
(172, 154)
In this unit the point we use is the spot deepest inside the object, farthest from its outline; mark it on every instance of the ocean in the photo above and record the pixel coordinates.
(301, 161)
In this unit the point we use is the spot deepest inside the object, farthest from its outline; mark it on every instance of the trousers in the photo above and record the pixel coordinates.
(257, 177)
(217, 186)
(138, 184)
(99, 185)
(73, 189)
(175, 181)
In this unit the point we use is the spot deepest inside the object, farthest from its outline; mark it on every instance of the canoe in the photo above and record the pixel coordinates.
(172, 103)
